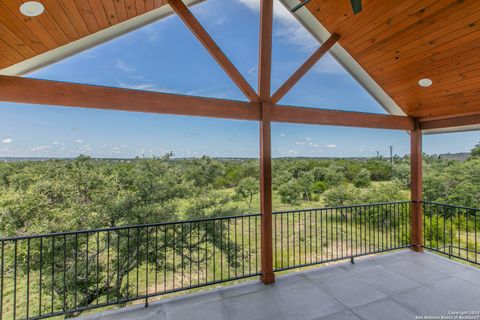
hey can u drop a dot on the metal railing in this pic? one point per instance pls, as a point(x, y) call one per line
point(70, 272)
point(66, 273)
point(452, 230)
point(307, 237)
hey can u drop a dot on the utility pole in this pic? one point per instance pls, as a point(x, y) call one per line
point(378, 154)
point(391, 154)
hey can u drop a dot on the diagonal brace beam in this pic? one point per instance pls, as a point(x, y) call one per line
point(307, 65)
point(206, 40)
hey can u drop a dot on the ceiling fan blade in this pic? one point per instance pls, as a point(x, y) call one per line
point(356, 6)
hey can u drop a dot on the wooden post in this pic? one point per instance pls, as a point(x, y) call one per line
point(264, 79)
point(266, 195)
point(416, 188)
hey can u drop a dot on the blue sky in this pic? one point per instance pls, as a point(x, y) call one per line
point(166, 57)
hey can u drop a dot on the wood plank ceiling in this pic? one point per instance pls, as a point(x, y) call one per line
point(399, 42)
point(62, 22)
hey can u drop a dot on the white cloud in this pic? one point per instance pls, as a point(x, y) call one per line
point(283, 134)
point(79, 141)
point(40, 148)
point(329, 65)
point(7, 140)
point(123, 66)
point(145, 86)
point(331, 145)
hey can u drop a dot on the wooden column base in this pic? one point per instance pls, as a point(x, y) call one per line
point(416, 248)
point(267, 278)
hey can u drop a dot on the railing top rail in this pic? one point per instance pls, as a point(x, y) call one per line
point(450, 205)
point(344, 207)
point(56, 234)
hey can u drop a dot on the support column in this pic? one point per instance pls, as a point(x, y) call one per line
point(416, 188)
point(266, 195)
point(264, 79)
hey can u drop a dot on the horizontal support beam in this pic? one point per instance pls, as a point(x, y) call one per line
point(450, 122)
point(35, 91)
point(66, 94)
point(340, 118)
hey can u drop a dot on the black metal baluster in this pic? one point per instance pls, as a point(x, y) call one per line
point(249, 248)
point(243, 259)
point(128, 263)
point(156, 259)
point(118, 263)
point(165, 258)
point(206, 249)
point(86, 265)
point(288, 241)
point(221, 246)
point(182, 239)
point(190, 235)
point(27, 313)
point(40, 279)
point(293, 234)
point(97, 265)
point(147, 257)
point(15, 280)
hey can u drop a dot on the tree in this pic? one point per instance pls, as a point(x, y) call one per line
point(334, 177)
point(362, 179)
point(290, 193)
point(246, 189)
point(341, 196)
point(475, 153)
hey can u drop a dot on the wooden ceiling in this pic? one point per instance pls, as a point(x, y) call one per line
point(399, 42)
point(63, 22)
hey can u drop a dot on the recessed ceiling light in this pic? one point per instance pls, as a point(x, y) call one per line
point(425, 82)
point(32, 8)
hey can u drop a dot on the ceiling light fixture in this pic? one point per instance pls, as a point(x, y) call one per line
point(32, 8)
point(425, 82)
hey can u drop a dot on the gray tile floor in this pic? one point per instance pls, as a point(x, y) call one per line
point(401, 285)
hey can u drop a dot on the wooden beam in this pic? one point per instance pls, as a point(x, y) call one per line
point(65, 94)
point(34, 91)
point(265, 49)
point(304, 68)
point(264, 80)
point(416, 188)
point(206, 40)
point(450, 122)
point(340, 118)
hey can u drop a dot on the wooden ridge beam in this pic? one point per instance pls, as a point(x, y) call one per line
point(207, 41)
point(304, 115)
point(304, 68)
point(35, 91)
point(450, 122)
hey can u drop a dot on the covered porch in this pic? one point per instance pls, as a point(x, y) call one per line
point(168, 257)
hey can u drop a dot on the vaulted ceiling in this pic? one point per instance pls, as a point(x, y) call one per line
point(396, 42)
point(399, 42)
